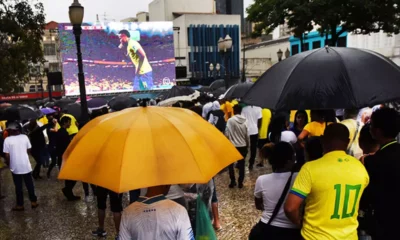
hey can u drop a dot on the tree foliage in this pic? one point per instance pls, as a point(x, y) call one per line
point(332, 17)
point(21, 31)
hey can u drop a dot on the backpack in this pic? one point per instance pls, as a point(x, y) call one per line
point(221, 123)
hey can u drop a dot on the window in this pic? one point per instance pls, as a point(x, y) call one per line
point(295, 49)
point(39, 88)
point(306, 47)
point(54, 67)
point(49, 49)
point(32, 88)
point(342, 42)
point(316, 44)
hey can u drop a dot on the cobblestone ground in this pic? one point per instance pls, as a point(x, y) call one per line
point(56, 218)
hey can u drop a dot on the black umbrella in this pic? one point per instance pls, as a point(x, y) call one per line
point(238, 90)
point(218, 92)
point(177, 91)
point(63, 102)
point(204, 89)
point(97, 103)
point(217, 84)
point(327, 78)
point(121, 102)
point(74, 109)
point(20, 113)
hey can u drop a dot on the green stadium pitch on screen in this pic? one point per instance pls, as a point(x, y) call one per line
point(119, 57)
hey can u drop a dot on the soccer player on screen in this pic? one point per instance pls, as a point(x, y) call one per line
point(143, 79)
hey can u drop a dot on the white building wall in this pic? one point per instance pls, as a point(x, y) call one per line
point(157, 10)
point(269, 51)
point(377, 42)
point(184, 21)
point(162, 10)
point(142, 16)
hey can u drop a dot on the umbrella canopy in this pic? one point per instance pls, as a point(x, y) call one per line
point(327, 78)
point(88, 98)
point(170, 101)
point(121, 102)
point(177, 91)
point(237, 91)
point(219, 83)
point(47, 111)
point(74, 109)
point(63, 102)
point(20, 113)
point(130, 153)
point(204, 89)
point(97, 103)
point(218, 92)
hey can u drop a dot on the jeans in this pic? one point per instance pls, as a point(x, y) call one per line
point(54, 159)
point(253, 149)
point(37, 155)
point(27, 178)
point(240, 165)
point(143, 81)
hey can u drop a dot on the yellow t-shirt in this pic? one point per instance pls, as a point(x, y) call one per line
point(44, 120)
point(266, 120)
point(315, 129)
point(332, 187)
point(133, 47)
point(73, 129)
point(3, 125)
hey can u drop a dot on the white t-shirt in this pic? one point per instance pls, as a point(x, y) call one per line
point(252, 114)
point(287, 136)
point(17, 147)
point(206, 109)
point(269, 187)
point(155, 218)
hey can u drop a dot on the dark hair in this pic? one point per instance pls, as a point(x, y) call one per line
point(197, 109)
point(317, 113)
point(125, 32)
point(366, 138)
point(277, 125)
point(330, 116)
point(336, 131)
point(281, 154)
point(313, 148)
point(387, 120)
point(65, 120)
point(298, 113)
point(237, 109)
point(351, 113)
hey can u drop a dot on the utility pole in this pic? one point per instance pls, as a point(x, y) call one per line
point(244, 63)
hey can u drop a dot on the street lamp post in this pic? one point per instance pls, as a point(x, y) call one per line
point(279, 53)
point(46, 71)
point(224, 47)
point(76, 12)
point(287, 53)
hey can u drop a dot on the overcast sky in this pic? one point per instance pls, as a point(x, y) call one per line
point(57, 10)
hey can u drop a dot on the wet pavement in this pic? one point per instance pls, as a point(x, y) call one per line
point(56, 218)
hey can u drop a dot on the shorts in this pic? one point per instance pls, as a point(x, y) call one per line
point(143, 82)
point(115, 200)
point(262, 142)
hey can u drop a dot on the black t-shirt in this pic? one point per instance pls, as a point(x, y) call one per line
point(37, 138)
point(63, 140)
point(52, 135)
point(384, 171)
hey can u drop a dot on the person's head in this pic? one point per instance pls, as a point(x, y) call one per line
point(65, 122)
point(335, 138)
point(317, 115)
point(13, 128)
point(237, 109)
point(32, 124)
point(50, 117)
point(278, 124)
point(282, 157)
point(330, 116)
point(197, 109)
point(313, 149)
point(300, 119)
point(216, 106)
point(124, 36)
point(384, 124)
point(351, 113)
point(366, 142)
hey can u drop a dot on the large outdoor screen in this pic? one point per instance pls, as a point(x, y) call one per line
point(119, 57)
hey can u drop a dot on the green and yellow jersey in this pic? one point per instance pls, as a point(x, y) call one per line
point(332, 187)
point(133, 47)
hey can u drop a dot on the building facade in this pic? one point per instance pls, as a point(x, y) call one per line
point(231, 7)
point(168, 10)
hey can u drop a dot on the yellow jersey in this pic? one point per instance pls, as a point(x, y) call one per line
point(44, 120)
point(133, 47)
point(73, 129)
point(332, 187)
point(266, 120)
point(3, 125)
point(315, 129)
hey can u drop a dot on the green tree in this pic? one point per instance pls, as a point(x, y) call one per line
point(21, 31)
point(333, 17)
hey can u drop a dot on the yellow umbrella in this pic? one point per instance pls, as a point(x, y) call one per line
point(147, 146)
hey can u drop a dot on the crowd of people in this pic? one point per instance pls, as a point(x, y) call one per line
point(332, 174)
